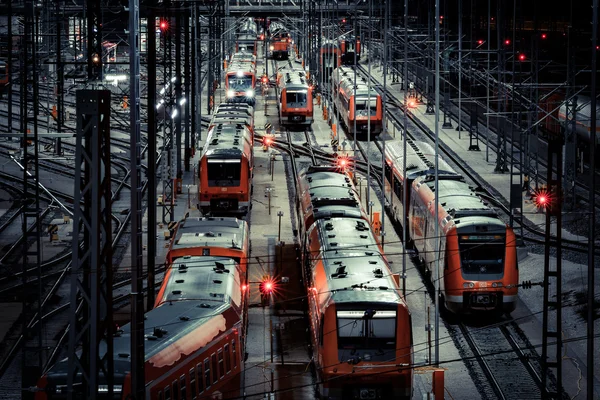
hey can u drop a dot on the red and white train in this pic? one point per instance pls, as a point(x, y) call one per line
point(349, 50)
point(240, 81)
point(225, 170)
point(195, 336)
point(360, 325)
point(295, 98)
point(476, 257)
point(357, 103)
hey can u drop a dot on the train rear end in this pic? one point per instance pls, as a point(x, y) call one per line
point(371, 355)
point(368, 115)
point(350, 48)
point(280, 49)
point(481, 271)
point(296, 103)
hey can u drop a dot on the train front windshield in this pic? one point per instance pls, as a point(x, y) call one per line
point(239, 83)
point(224, 172)
point(482, 255)
point(369, 336)
point(295, 98)
point(362, 106)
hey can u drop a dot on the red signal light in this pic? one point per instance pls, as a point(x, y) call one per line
point(412, 103)
point(522, 57)
point(542, 199)
point(265, 79)
point(266, 286)
point(267, 141)
point(544, 36)
point(343, 162)
point(507, 42)
point(262, 37)
point(480, 42)
point(244, 288)
point(344, 21)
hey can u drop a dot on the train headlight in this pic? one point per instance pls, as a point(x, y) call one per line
point(494, 284)
point(230, 93)
point(249, 93)
point(272, 48)
point(468, 285)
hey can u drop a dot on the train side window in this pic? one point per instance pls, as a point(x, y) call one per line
point(183, 387)
point(221, 365)
point(207, 372)
point(167, 393)
point(233, 354)
point(160, 395)
point(213, 359)
point(227, 358)
point(175, 390)
point(193, 383)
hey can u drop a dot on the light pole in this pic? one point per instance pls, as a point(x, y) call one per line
point(268, 194)
point(279, 214)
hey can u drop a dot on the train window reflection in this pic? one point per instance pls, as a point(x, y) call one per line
point(484, 255)
point(362, 105)
point(295, 97)
point(239, 83)
point(224, 173)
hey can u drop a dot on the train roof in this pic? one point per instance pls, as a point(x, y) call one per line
point(344, 78)
point(354, 267)
point(199, 291)
point(235, 107)
point(243, 56)
point(327, 44)
point(459, 201)
point(327, 192)
point(202, 278)
point(223, 232)
point(420, 159)
point(233, 130)
point(237, 67)
point(237, 120)
point(227, 147)
point(294, 79)
point(210, 296)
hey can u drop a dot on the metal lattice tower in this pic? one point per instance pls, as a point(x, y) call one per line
point(502, 95)
point(168, 209)
point(570, 164)
point(91, 271)
point(32, 359)
point(151, 170)
point(137, 261)
point(552, 350)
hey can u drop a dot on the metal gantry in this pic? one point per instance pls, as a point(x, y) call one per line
point(91, 269)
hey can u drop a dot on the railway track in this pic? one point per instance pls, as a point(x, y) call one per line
point(508, 366)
